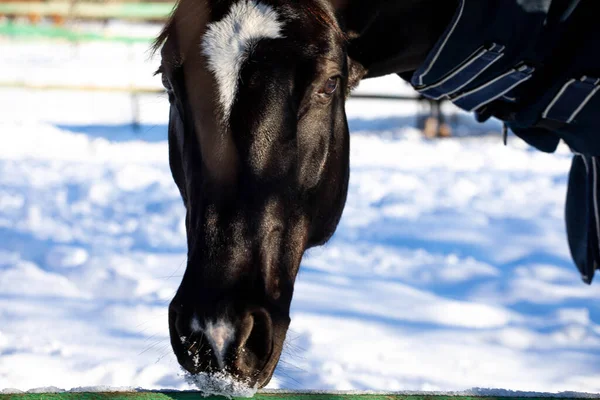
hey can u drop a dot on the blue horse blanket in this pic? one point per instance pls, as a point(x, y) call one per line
point(534, 64)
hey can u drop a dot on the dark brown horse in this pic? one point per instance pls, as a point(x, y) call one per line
point(259, 149)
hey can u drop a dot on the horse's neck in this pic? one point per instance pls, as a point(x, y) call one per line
point(394, 36)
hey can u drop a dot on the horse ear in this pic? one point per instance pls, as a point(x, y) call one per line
point(356, 71)
point(182, 31)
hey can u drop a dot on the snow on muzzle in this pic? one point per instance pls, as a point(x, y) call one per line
point(227, 351)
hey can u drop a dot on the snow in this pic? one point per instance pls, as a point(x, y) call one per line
point(449, 270)
point(10, 391)
point(101, 388)
point(220, 383)
point(48, 389)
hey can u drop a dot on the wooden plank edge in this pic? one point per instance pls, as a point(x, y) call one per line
point(127, 11)
point(28, 31)
point(302, 395)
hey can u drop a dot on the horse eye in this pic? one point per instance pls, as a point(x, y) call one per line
point(330, 86)
point(166, 83)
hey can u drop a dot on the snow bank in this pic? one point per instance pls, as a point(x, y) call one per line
point(449, 269)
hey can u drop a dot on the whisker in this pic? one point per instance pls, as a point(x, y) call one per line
point(186, 341)
point(150, 337)
point(288, 376)
point(292, 365)
point(152, 346)
point(164, 355)
point(164, 346)
point(293, 350)
point(149, 320)
point(177, 269)
point(168, 300)
point(201, 347)
point(191, 347)
point(162, 350)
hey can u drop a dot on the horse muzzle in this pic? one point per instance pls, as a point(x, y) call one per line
point(245, 347)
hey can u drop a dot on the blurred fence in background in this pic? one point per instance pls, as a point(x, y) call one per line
point(130, 10)
point(93, 20)
point(55, 19)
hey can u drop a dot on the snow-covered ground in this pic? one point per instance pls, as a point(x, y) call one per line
point(449, 270)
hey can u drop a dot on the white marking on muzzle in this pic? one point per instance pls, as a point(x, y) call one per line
point(228, 42)
point(195, 324)
point(219, 335)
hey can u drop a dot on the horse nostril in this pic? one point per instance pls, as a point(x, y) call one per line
point(256, 342)
point(208, 345)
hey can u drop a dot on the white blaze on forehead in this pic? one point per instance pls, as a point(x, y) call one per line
point(228, 42)
point(219, 335)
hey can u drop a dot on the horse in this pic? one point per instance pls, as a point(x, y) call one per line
point(259, 141)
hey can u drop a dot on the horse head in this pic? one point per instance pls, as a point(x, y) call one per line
point(259, 149)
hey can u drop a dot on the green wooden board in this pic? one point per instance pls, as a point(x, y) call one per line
point(27, 31)
point(125, 11)
point(122, 11)
point(259, 396)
